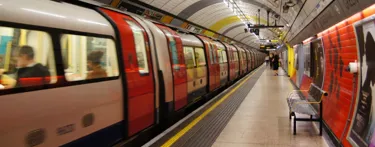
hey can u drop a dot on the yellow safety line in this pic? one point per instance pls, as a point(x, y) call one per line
point(199, 118)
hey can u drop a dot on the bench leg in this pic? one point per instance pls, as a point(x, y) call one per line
point(321, 127)
point(290, 116)
point(294, 126)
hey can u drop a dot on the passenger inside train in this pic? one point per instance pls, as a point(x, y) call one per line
point(29, 72)
point(94, 67)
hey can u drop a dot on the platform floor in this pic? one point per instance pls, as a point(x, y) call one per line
point(262, 118)
point(252, 113)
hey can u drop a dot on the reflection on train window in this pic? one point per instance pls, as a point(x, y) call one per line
point(87, 57)
point(26, 58)
point(199, 56)
point(220, 56)
point(224, 57)
point(173, 49)
point(235, 56)
point(140, 47)
point(189, 57)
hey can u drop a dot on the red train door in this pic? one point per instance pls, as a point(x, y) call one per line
point(176, 53)
point(212, 65)
point(140, 101)
point(217, 63)
point(253, 60)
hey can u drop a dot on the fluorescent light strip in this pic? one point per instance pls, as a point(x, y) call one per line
point(92, 22)
point(44, 13)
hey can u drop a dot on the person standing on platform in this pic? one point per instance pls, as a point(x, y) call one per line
point(275, 64)
point(271, 59)
point(267, 60)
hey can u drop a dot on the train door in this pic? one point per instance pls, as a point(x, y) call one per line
point(216, 64)
point(252, 60)
point(244, 62)
point(236, 62)
point(231, 63)
point(178, 67)
point(248, 61)
point(241, 60)
point(210, 62)
point(140, 101)
point(223, 61)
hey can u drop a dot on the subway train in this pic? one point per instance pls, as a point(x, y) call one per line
point(105, 76)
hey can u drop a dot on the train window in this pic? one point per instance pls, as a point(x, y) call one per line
point(211, 54)
point(199, 56)
point(189, 57)
point(235, 55)
point(173, 49)
point(140, 47)
point(225, 59)
point(26, 58)
point(88, 57)
point(220, 56)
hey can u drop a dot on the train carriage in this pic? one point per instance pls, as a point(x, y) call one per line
point(74, 102)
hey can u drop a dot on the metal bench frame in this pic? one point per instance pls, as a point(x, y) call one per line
point(297, 94)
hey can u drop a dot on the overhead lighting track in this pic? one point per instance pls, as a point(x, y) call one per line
point(231, 4)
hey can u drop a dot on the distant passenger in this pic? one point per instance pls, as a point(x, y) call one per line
point(271, 59)
point(267, 60)
point(30, 73)
point(275, 64)
point(93, 64)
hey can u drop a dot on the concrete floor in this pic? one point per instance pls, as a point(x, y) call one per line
point(262, 119)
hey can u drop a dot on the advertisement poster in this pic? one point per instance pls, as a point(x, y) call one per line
point(362, 128)
point(318, 62)
point(307, 62)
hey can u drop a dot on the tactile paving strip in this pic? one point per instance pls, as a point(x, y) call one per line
point(209, 128)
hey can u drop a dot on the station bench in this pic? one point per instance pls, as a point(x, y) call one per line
point(311, 105)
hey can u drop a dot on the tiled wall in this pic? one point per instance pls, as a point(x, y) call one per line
point(340, 48)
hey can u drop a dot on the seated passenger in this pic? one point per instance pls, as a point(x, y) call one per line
point(93, 65)
point(30, 73)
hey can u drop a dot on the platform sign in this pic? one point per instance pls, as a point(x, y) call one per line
point(361, 132)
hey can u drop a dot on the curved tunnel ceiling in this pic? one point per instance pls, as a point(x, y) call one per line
point(217, 16)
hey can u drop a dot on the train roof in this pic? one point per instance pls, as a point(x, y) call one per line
point(220, 45)
point(54, 14)
point(190, 40)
